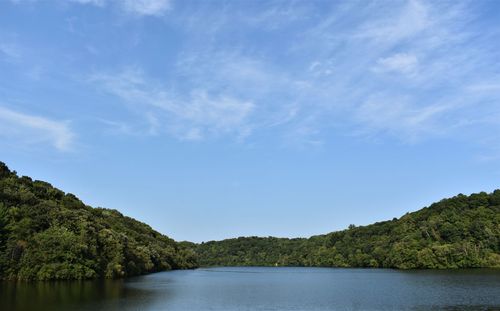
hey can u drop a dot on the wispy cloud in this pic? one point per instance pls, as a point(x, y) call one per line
point(400, 63)
point(401, 117)
point(401, 68)
point(390, 23)
point(411, 69)
point(147, 7)
point(404, 70)
point(198, 115)
point(9, 51)
point(31, 129)
point(100, 3)
point(136, 7)
point(486, 86)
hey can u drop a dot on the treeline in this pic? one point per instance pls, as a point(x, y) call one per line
point(47, 234)
point(460, 232)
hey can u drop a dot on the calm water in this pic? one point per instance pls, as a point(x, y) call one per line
point(266, 289)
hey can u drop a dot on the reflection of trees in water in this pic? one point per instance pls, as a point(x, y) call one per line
point(258, 288)
point(72, 295)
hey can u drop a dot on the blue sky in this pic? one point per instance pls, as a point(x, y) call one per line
point(215, 119)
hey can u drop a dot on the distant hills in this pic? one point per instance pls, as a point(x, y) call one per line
point(46, 234)
point(460, 232)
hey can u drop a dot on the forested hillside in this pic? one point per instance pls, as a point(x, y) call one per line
point(461, 232)
point(48, 234)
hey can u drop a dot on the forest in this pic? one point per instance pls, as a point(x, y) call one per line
point(47, 234)
point(460, 232)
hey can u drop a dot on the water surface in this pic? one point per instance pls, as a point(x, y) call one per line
point(252, 288)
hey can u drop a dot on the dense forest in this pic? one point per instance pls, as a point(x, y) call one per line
point(47, 234)
point(460, 232)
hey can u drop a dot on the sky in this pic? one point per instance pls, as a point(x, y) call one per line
point(216, 119)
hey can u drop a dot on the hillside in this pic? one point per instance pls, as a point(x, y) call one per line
point(48, 234)
point(460, 232)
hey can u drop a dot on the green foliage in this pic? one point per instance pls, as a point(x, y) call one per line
point(46, 234)
point(461, 232)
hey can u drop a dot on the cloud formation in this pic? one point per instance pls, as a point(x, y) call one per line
point(147, 7)
point(191, 117)
point(398, 69)
point(31, 129)
point(136, 7)
point(413, 70)
point(400, 63)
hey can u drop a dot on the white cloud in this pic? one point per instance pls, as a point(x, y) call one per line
point(35, 129)
point(322, 68)
point(146, 7)
point(94, 2)
point(274, 93)
point(324, 75)
point(136, 7)
point(401, 117)
point(334, 87)
point(316, 75)
point(401, 62)
point(192, 134)
point(412, 19)
point(191, 117)
point(488, 86)
point(277, 16)
point(220, 111)
point(9, 51)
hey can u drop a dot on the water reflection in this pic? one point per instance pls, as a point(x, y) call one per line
point(78, 295)
point(266, 289)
